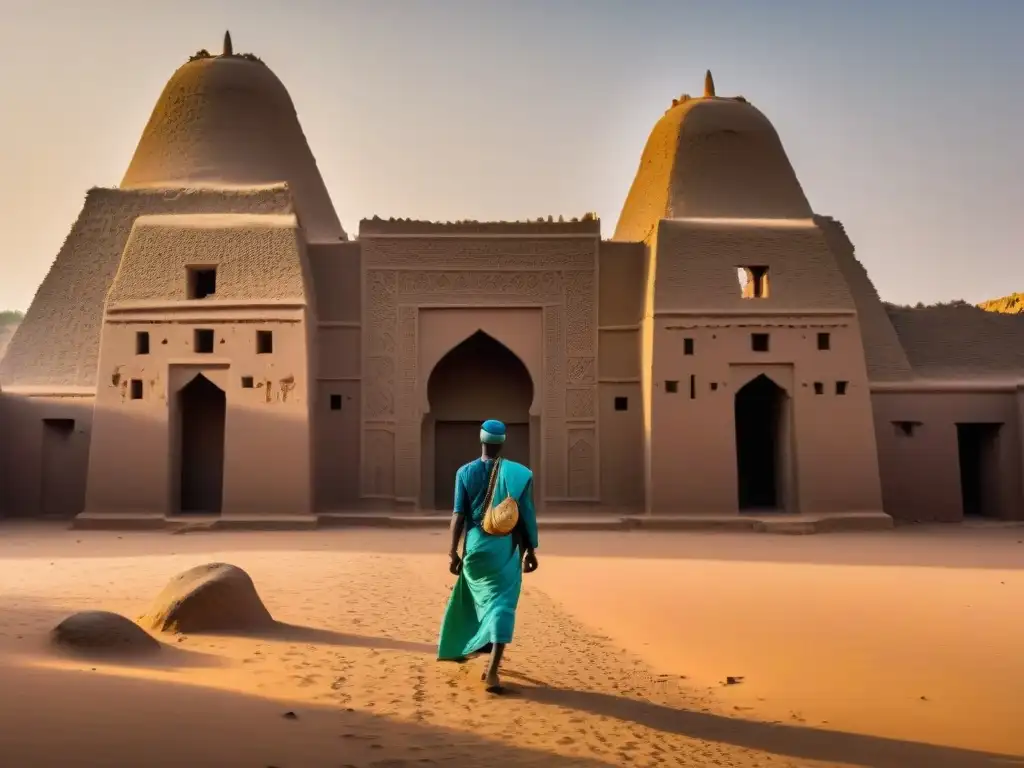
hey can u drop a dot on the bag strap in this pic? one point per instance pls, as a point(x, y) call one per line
point(491, 483)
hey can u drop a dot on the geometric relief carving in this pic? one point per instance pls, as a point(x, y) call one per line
point(480, 253)
point(582, 461)
point(579, 403)
point(580, 312)
point(378, 387)
point(581, 370)
point(554, 476)
point(381, 315)
point(432, 287)
point(407, 466)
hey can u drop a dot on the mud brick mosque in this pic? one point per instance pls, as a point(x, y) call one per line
point(210, 340)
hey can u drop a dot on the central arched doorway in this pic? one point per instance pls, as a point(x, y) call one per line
point(201, 410)
point(761, 457)
point(478, 379)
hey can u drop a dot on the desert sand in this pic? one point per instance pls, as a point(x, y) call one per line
point(893, 649)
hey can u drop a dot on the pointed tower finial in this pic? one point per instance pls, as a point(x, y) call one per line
point(228, 48)
point(709, 85)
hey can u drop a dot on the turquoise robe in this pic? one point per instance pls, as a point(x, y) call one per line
point(482, 607)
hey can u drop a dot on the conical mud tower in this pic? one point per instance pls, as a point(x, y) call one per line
point(228, 120)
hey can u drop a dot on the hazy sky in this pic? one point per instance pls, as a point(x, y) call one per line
point(903, 118)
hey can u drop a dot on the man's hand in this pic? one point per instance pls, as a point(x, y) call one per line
point(454, 563)
point(530, 562)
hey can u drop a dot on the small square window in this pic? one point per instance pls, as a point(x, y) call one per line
point(335, 402)
point(142, 342)
point(136, 389)
point(202, 341)
point(264, 342)
point(819, 388)
point(714, 386)
point(672, 386)
point(621, 403)
point(687, 346)
point(202, 282)
point(824, 341)
point(759, 342)
point(840, 387)
point(905, 428)
point(247, 382)
point(693, 387)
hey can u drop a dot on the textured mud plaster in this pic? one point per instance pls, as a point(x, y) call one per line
point(227, 121)
point(961, 342)
point(58, 342)
point(711, 157)
point(256, 256)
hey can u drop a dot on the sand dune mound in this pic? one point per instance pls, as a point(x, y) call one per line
point(215, 597)
point(103, 631)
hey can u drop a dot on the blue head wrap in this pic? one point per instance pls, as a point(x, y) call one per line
point(492, 432)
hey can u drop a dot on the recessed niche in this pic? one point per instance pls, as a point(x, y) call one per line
point(135, 388)
point(142, 342)
point(202, 341)
point(247, 382)
point(759, 342)
point(672, 386)
point(264, 342)
point(335, 402)
point(841, 387)
point(202, 282)
point(687, 346)
point(819, 388)
point(824, 341)
point(621, 403)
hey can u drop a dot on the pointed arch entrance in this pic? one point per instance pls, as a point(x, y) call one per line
point(478, 379)
point(762, 445)
point(201, 411)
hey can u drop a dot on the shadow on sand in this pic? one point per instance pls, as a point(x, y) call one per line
point(788, 740)
point(296, 633)
point(164, 724)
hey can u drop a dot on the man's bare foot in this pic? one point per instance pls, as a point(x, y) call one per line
point(492, 682)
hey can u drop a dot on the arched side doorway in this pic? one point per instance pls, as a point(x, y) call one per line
point(762, 445)
point(476, 380)
point(201, 413)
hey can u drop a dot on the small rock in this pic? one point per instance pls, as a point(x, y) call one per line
point(734, 679)
point(98, 631)
point(290, 716)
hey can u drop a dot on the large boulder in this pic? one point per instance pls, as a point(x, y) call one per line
point(103, 632)
point(215, 597)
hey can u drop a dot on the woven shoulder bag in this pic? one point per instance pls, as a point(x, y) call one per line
point(501, 519)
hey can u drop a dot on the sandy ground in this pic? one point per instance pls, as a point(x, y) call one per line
point(893, 649)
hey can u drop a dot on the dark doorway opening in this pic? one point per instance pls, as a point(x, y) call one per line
point(978, 447)
point(760, 457)
point(201, 410)
point(59, 492)
point(477, 380)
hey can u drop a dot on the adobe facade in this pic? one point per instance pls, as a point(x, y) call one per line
point(210, 341)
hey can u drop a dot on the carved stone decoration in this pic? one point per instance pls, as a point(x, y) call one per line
point(481, 253)
point(582, 463)
point(580, 312)
point(554, 404)
point(554, 274)
point(500, 287)
point(378, 387)
point(407, 437)
point(581, 370)
point(580, 403)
